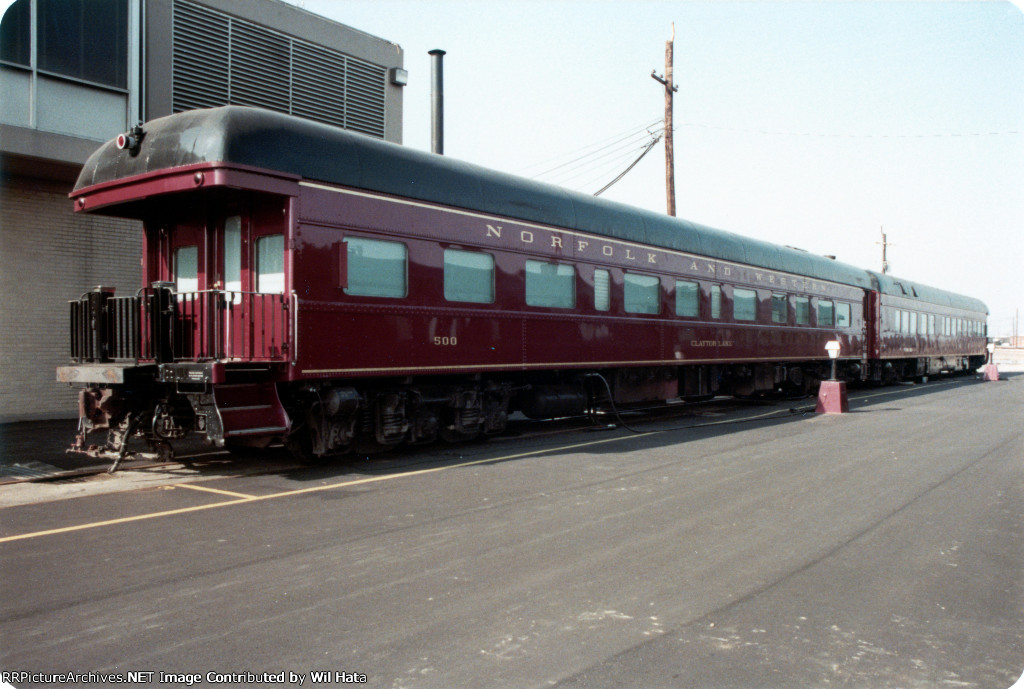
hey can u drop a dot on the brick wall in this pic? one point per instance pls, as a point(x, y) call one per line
point(48, 256)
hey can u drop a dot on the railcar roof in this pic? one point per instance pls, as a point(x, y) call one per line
point(887, 284)
point(314, 151)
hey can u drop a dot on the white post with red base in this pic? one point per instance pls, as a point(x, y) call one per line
point(832, 397)
point(991, 372)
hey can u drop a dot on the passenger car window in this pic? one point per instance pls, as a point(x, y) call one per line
point(802, 307)
point(186, 269)
point(376, 268)
point(687, 299)
point(468, 276)
point(842, 315)
point(780, 308)
point(270, 264)
point(550, 284)
point(642, 293)
point(602, 290)
point(716, 301)
point(826, 314)
point(744, 305)
point(233, 254)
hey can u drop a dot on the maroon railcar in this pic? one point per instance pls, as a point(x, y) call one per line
point(334, 291)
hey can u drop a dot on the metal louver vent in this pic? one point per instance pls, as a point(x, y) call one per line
point(365, 98)
point(319, 84)
point(260, 66)
point(221, 60)
point(200, 55)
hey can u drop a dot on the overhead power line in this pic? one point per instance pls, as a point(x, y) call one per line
point(840, 135)
point(583, 156)
point(631, 166)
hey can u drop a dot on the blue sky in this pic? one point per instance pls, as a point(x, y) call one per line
point(811, 124)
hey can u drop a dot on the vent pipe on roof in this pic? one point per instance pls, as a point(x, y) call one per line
point(437, 101)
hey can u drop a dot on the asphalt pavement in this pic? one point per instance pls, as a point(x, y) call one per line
point(754, 546)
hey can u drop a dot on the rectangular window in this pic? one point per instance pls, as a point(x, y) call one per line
point(642, 293)
point(84, 39)
point(913, 323)
point(602, 290)
point(744, 305)
point(233, 254)
point(375, 268)
point(802, 308)
point(16, 33)
point(826, 314)
point(270, 264)
point(468, 276)
point(687, 299)
point(931, 324)
point(780, 308)
point(186, 269)
point(842, 315)
point(904, 323)
point(716, 301)
point(550, 284)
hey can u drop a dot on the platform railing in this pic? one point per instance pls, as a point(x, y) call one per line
point(160, 325)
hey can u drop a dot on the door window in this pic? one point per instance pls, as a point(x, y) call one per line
point(186, 269)
point(233, 254)
point(270, 264)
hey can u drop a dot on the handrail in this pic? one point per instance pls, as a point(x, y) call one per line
point(158, 324)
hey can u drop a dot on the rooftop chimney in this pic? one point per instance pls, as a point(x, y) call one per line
point(437, 101)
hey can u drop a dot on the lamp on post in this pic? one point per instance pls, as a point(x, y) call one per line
point(833, 347)
point(832, 393)
point(991, 370)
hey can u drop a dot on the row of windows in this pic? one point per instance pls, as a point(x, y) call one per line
point(914, 323)
point(377, 268)
point(83, 39)
point(269, 272)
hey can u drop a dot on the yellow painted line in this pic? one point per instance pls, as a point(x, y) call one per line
point(313, 489)
point(218, 491)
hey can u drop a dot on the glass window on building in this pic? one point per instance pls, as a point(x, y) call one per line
point(780, 308)
point(802, 310)
point(602, 290)
point(16, 34)
point(376, 268)
point(84, 39)
point(270, 264)
point(642, 293)
point(687, 299)
point(550, 284)
point(468, 276)
point(744, 305)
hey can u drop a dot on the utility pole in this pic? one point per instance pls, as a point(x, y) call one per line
point(670, 88)
point(885, 255)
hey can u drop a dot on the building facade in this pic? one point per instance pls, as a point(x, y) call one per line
point(76, 73)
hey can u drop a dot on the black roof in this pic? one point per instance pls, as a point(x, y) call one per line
point(314, 151)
